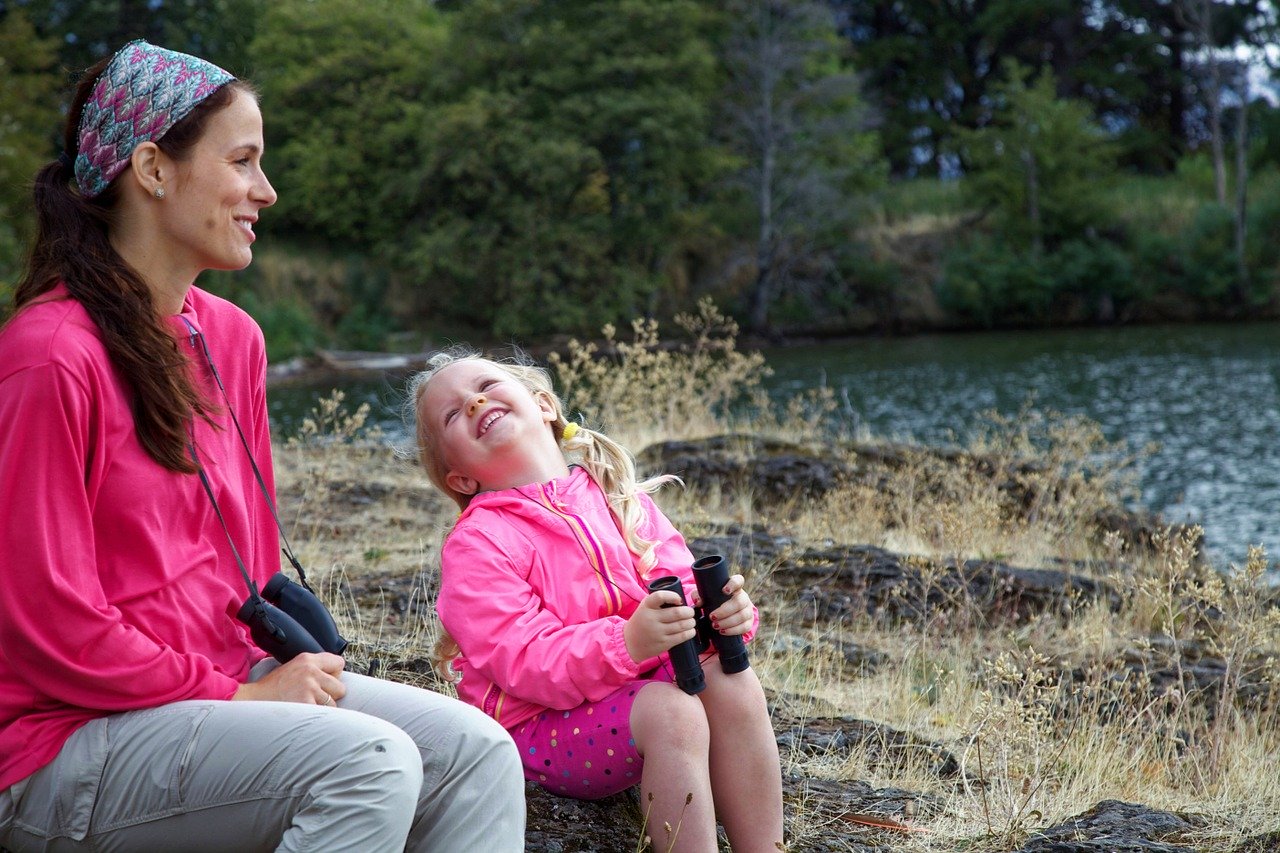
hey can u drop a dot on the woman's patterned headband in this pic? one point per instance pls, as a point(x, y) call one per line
point(143, 92)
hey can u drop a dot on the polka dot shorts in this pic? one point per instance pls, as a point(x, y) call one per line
point(587, 752)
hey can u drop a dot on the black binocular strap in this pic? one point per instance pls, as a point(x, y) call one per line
point(208, 490)
point(271, 506)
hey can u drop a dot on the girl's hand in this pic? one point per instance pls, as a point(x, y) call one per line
point(653, 628)
point(311, 679)
point(736, 615)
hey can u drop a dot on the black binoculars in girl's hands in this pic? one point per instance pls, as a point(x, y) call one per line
point(711, 574)
point(287, 619)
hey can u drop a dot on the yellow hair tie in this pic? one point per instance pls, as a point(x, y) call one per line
point(570, 430)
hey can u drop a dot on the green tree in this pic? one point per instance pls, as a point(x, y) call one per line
point(29, 121)
point(345, 90)
point(930, 66)
point(1040, 165)
point(793, 115)
point(87, 30)
point(565, 161)
point(931, 63)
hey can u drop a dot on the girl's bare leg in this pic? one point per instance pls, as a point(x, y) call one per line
point(746, 775)
point(670, 729)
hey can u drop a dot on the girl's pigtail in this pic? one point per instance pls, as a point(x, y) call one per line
point(613, 467)
point(443, 654)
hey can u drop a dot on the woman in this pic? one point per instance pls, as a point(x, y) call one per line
point(135, 712)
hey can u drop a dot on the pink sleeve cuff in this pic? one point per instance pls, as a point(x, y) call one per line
point(618, 648)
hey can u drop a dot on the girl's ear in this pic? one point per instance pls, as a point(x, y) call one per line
point(547, 406)
point(461, 484)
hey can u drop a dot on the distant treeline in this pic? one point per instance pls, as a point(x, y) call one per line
point(519, 169)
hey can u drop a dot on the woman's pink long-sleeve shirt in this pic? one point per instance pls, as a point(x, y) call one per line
point(118, 590)
point(536, 586)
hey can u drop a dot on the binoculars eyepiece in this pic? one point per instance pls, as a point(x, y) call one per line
point(287, 619)
point(710, 574)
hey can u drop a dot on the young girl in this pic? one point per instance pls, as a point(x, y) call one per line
point(544, 597)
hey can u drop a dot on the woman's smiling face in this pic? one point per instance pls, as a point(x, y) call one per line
point(212, 203)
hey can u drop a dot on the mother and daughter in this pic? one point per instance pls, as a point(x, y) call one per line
point(550, 625)
point(137, 522)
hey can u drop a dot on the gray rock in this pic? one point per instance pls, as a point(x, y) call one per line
point(1117, 827)
point(847, 582)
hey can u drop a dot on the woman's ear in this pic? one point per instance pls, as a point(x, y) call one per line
point(150, 167)
point(460, 484)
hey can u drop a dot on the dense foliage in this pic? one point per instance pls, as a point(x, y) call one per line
point(518, 169)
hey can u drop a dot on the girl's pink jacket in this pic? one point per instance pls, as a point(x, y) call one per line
point(536, 586)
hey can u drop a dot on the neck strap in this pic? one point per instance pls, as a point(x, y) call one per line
point(262, 486)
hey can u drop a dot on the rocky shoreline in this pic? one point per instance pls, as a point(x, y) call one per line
point(833, 583)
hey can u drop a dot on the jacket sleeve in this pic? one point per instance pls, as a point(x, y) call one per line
point(58, 631)
point(675, 558)
point(507, 634)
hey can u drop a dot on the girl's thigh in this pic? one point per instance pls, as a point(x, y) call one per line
point(587, 752)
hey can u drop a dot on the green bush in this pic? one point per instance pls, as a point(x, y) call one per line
point(1093, 268)
point(1158, 265)
point(988, 282)
point(291, 328)
point(1262, 251)
point(1207, 249)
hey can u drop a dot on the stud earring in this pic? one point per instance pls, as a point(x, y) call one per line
point(159, 193)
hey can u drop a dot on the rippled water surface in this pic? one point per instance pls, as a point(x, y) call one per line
point(1207, 395)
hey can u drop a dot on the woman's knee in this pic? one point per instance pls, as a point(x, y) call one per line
point(483, 741)
point(368, 750)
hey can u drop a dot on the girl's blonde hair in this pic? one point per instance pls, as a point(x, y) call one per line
point(610, 464)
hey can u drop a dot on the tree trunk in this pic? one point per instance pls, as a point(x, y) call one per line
point(762, 292)
point(1205, 34)
point(1033, 201)
point(1242, 185)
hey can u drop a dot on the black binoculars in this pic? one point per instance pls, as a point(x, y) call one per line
point(287, 619)
point(710, 574)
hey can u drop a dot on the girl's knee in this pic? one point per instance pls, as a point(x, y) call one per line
point(737, 695)
point(667, 712)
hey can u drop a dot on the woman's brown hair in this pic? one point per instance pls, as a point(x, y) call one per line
point(73, 246)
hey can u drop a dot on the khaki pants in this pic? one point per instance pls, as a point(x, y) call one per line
point(392, 768)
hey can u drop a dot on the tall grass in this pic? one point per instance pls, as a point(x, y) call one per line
point(1163, 694)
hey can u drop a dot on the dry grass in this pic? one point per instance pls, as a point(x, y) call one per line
point(1036, 713)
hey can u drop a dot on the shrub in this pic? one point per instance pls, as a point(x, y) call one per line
point(988, 282)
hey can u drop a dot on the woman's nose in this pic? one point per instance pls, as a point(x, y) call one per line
point(476, 402)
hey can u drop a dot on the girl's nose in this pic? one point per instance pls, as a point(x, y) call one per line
point(476, 402)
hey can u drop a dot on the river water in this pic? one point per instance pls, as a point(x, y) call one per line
point(1207, 396)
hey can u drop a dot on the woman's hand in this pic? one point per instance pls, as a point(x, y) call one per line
point(654, 628)
point(312, 679)
point(736, 615)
